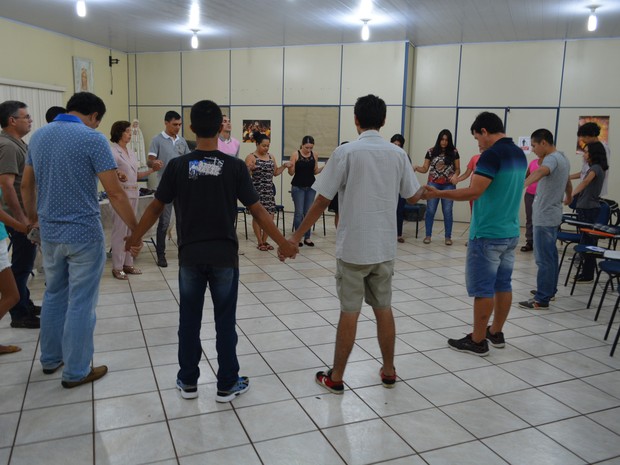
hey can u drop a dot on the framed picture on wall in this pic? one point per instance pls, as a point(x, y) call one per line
point(83, 78)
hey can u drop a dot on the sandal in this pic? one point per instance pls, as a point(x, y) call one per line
point(119, 274)
point(268, 245)
point(131, 270)
point(448, 241)
point(427, 240)
point(262, 247)
point(9, 349)
point(309, 243)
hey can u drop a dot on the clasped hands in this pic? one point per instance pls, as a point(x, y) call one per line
point(133, 245)
point(290, 250)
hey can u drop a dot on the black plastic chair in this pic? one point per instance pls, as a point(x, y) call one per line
point(245, 220)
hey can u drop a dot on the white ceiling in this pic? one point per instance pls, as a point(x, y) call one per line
point(162, 25)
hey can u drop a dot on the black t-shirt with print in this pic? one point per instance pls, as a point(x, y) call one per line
point(205, 187)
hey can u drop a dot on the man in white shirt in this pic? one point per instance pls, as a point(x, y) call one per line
point(368, 175)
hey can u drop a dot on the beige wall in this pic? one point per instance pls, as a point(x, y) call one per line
point(543, 83)
point(258, 83)
point(44, 57)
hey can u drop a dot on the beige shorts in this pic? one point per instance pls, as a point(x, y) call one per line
point(4, 255)
point(372, 282)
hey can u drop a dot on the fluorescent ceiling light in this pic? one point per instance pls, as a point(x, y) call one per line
point(80, 8)
point(365, 30)
point(592, 20)
point(194, 41)
point(194, 15)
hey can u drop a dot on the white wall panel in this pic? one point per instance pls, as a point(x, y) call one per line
point(312, 75)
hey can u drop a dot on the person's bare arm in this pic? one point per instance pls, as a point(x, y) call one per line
point(118, 197)
point(568, 191)
point(286, 249)
point(417, 196)
point(292, 161)
point(29, 194)
point(537, 175)
point(149, 217)
point(478, 185)
point(424, 168)
point(583, 184)
point(10, 196)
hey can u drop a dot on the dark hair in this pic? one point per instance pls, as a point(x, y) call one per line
point(589, 130)
point(542, 134)
point(370, 111)
point(53, 112)
point(260, 137)
point(86, 103)
point(398, 138)
point(489, 121)
point(171, 115)
point(450, 150)
point(307, 140)
point(117, 130)
point(206, 118)
point(9, 109)
point(598, 155)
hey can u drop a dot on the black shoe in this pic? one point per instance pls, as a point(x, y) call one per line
point(580, 279)
point(533, 305)
point(162, 262)
point(34, 309)
point(496, 340)
point(468, 345)
point(30, 322)
point(533, 292)
point(528, 247)
point(51, 371)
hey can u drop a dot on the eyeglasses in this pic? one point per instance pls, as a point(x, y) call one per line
point(27, 117)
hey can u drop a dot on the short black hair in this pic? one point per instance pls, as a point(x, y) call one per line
point(589, 130)
point(489, 121)
point(370, 111)
point(398, 138)
point(53, 112)
point(171, 115)
point(8, 109)
point(260, 137)
point(86, 103)
point(205, 118)
point(542, 134)
point(117, 130)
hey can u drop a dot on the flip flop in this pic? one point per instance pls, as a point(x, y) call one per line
point(268, 245)
point(9, 349)
point(262, 247)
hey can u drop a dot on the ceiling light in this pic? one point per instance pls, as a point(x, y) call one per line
point(194, 41)
point(592, 20)
point(194, 15)
point(365, 9)
point(365, 30)
point(80, 8)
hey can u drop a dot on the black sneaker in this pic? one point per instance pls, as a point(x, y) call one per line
point(34, 309)
point(29, 322)
point(532, 304)
point(162, 262)
point(468, 345)
point(242, 385)
point(496, 340)
point(188, 391)
point(533, 292)
point(580, 279)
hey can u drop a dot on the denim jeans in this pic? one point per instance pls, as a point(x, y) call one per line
point(22, 261)
point(302, 198)
point(162, 229)
point(224, 284)
point(400, 216)
point(546, 255)
point(72, 275)
point(588, 215)
point(446, 208)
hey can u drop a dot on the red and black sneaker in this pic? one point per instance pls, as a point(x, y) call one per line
point(387, 381)
point(325, 380)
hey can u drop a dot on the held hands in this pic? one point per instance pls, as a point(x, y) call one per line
point(430, 192)
point(133, 245)
point(122, 177)
point(567, 200)
point(289, 250)
point(454, 179)
point(157, 165)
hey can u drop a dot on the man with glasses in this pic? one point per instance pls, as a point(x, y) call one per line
point(16, 123)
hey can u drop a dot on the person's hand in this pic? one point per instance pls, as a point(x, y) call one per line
point(454, 179)
point(133, 245)
point(157, 165)
point(567, 200)
point(430, 192)
point(122, 177)
point(289, 250)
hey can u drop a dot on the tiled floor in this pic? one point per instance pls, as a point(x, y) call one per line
point(552, 396)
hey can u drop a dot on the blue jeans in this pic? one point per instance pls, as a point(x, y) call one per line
point(302, 198)
point(224, 284)
point(22, 261)
point(446, 208)
point(400, 216)
point(72, 275)
point(546, 255)
point(489, 266)
point(162, 229)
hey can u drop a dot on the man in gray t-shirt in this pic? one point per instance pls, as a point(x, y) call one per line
point(164, 147)
point(553, 182)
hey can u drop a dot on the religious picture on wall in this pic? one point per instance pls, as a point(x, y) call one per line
point(250, 126)
point(525, 144)
point(83, 75)
point(603, 123)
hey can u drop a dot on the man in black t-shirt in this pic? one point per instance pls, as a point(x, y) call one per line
point(205, 186)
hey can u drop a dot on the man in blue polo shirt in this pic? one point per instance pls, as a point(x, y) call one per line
point(496, 187)
point(65, 161)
